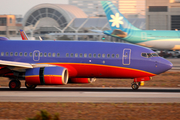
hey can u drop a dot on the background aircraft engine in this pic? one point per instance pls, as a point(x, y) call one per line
point(81, 80)
point(47, 76)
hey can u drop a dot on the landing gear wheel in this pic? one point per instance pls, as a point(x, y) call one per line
point(30, 87)
point(135, 86)
point(14, 84)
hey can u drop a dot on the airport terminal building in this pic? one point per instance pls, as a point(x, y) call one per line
point(59, 18)
point(47, 18)
point(163, 14)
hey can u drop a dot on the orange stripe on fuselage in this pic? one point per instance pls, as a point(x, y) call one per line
point(95, 70)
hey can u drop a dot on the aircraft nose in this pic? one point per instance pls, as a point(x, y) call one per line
point(164, 65)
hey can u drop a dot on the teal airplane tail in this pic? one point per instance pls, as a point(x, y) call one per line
point(118, 23)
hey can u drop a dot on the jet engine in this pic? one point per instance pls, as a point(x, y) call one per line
point(81, 80)
point(47, 76)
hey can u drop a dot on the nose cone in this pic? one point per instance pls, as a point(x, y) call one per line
point(164, 65)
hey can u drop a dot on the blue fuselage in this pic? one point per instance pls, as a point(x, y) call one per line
point(83, 57)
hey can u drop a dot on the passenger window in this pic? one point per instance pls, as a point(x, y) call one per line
point(7, 53)
point(41, 54)
point(67, 54)
point(25, 54)
point(144, 54)
point(85, 55)
point(36, 54)
point(16, 54)
point(113, 55)
point(20, 54)
point(45, 54)
point(76, 55)
point(103, 55)
point(72, 54)
point(117, 55)
point(49, 54)
point(94, 55)
point(108, 55)
point(58, 54)
point(99, 55)
point(11, 53)
point(90, 55)
point(80, 55)
point(2, 53)
point(54, 54)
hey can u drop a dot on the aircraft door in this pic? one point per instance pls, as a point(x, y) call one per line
point(126, 60)
point(143, 36)
point(36, 55)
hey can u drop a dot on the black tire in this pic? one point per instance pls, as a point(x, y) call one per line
point(135, 86)
point(14, 84)
point(30, 87)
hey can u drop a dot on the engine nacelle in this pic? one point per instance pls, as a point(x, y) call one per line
point(47, 76)
point(81, 80)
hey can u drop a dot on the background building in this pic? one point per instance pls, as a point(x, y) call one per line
point(163, 14)
point(43, 19)
point(54, 18)
point(92, 8)
point(7, 25)
point(130, 8)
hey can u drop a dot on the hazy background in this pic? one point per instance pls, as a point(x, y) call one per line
point(20, 7)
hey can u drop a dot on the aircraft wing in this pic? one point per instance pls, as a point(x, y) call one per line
point(76, 33)
point(97, 31)
point(15, 64)
point(21, 65)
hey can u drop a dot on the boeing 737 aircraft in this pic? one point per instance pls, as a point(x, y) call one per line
point(121, 28)
point(62, 62)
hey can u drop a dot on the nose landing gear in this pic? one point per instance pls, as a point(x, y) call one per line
point(135, 85)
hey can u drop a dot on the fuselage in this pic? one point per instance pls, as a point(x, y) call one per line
point(159, 39)
point(87, 59)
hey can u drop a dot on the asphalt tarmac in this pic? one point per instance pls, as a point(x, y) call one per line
point(95, 95)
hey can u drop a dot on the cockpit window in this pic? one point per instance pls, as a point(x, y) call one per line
point(144, 54)
point(148, 55)
point(155, 54)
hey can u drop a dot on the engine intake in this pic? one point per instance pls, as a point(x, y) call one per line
point(47, 76)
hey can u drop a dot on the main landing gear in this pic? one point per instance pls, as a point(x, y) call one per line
point(135, 85)
point(30, 87)
point(14, 84)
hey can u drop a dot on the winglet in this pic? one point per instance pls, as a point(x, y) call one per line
point(23, 35)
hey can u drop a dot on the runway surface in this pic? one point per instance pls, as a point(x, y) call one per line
point(102, 95)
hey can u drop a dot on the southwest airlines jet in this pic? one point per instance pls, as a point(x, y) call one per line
point(121, 28)
point(63, 62)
